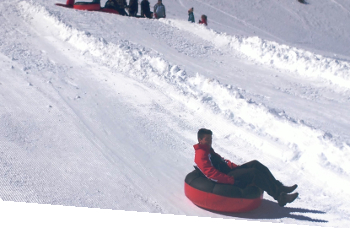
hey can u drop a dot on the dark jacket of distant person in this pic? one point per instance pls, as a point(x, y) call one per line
point(133, 7)
point(145, 9)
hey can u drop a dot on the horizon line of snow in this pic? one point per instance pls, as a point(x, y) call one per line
point(304, 144)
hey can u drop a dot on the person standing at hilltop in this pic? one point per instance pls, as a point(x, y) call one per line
point(191, 15)
point(133, 8)
point(159, 10)
point(111, 4)
point(121, 7)
point(145, 9)
point(118, 5)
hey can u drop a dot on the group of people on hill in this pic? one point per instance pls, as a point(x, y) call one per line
point(121, 5)
point(158, 9)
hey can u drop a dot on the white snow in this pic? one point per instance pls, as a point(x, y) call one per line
point(101, 111)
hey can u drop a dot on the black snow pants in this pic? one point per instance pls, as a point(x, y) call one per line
point(255, 173)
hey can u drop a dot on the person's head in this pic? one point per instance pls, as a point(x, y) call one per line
point(204, 17)
point(204, 136)
point(190, 10)
point(159, 1)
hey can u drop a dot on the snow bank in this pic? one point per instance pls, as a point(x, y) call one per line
point(275, 55)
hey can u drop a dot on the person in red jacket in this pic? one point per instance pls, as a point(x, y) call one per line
point(203, 20)
point(221, 170)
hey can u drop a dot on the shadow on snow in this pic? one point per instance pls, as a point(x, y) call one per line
point(271, 210)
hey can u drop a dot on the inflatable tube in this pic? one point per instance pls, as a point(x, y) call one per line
point(108, 10)
point(64, 5)
point(69, 4)
point(90, 6)
point(220, 197)
point(87, 6)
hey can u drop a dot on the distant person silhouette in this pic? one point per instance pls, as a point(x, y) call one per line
point(203, 20)
point(191, 15)
point(145, 9)
point(159, 10)
point(118, 5)
point(122, 5)
point(133, 8)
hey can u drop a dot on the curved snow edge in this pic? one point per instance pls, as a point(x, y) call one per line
point(275, 55)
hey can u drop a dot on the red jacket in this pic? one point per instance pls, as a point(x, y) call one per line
point(204, 160)
point(203, 21)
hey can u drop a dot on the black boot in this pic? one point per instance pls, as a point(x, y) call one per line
point(287, 189)
point(285, 198)
point(281, 188)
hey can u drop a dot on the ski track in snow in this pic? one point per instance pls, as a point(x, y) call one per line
point(341, 6)
point(303, 144)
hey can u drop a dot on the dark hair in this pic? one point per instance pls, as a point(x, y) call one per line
point(202, 132)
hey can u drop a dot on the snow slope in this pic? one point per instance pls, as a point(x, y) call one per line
point(101, 111)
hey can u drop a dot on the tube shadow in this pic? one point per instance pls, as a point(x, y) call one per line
point(271, 210)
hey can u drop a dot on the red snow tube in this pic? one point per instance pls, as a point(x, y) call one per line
point(91, 6)
point(87, 6)
point(220, 197)
point(69, 4)
point(108, 10)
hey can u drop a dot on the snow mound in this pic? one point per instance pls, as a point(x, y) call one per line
point(275, 55)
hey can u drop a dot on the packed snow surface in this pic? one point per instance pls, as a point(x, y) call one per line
point(101, 111)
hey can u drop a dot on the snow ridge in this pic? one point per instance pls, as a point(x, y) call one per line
point(303, 144)
point(275, 55)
